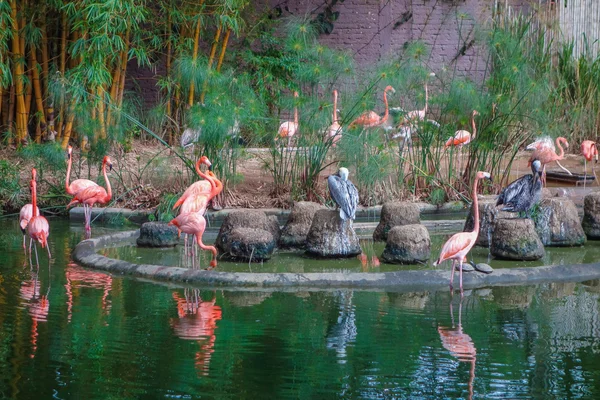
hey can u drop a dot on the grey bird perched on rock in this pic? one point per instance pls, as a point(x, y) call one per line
point(522, 194)
point(344, 193)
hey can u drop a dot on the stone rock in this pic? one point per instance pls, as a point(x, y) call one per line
point(330, 236)
point(293, 234)
point(558, 224)
point(244, 218)
point(488, 214)
point(485, 268)
point(396, 214)
point(407, 244)
point(249, 244)
point(157, 234)
point(516, 239)
point(591, 215)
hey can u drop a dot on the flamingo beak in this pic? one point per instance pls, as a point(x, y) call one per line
point(110, 166)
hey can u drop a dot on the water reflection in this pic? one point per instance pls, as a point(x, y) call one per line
point(459, 344)
point(77, 277)
point(197, 320)
point(343, 332)
point(37, 306)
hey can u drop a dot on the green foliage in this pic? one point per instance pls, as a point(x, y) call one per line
point(10, 190)
point(164, 210)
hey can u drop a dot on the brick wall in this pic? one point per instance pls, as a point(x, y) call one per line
point(375, 29)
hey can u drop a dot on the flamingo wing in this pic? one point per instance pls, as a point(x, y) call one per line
point(457, 246)
point(91, 195)
point(196, 188)
point(195, 203)
point(367, 119)
point(287, 129)
point(25, 215)
point(79, 184)
point(460, 138)
point(39, 229)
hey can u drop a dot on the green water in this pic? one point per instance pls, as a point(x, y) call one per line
point(72, 333)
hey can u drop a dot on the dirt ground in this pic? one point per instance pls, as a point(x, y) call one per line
point(143, 176)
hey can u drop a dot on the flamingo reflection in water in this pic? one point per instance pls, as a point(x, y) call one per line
point(78, 278)
point(37, 305)
point(459, 344)
point(197, 320)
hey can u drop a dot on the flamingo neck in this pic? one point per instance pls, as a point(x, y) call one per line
point(108, 188)
point(68, 174)
point(205, 176)
point(218, 184)
point(561, 151)
point(475, 206)
point(426, 98)
point(473, 126)
point(296, 115)
point(34, 200)
point(387, 111)
point(334, 107)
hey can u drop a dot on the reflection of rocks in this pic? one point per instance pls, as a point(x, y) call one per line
point(247, 234)
point(407, 244)
point(245, 299)
point(409, 301)
point(157, 234)
point(592, 286)
point(330, 236)
point(591, 215)
point(516, 239)
point(558, 224)
point(513, 297)
point(396, 214)
point(298, 224)
point(488, 214)
point(558, 290)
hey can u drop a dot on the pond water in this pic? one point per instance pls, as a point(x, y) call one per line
point(68, 332)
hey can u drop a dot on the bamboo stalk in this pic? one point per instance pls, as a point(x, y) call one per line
point(194, 58)
point(11, 114)
point(211, 59)
point(168, 74)
point(21, 124)
point(44, 52)
point(63, 62)
point(101, 112)
point(37, 92)
point(123, 70)
point(223, 49)
point(68, 125)
point(28, 91)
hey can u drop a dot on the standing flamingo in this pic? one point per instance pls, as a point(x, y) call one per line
point(195, 224)
point(370, 119)
point(334, 132)
point(463, 137)
point(38, 228)
point(24, 216)
point(416, 116)
point(78, 184)
point(459, 245)
point(289, 128)
point(546, 142)
point(546, 155)
point(589, 151)
point(92, 195)
point(206, 186)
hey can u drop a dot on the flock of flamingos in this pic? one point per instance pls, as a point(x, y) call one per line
point(519, 196)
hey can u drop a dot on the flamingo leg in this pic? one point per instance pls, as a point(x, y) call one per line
point(584, 171)
point(48, 248)
point(37, 261)
point(24, 246)
point(460, 262)
point(563, 168)
point(452, 273)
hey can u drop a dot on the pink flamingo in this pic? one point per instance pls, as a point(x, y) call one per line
point(459, 245)
point(195, 224)
point(289, 128)
point(547, 155)
point(92, 195)
point(334, 132)
point(38, 228)
point(589, 151)
point(24, 216)
point(463, 137)
point(370, 119)
point(209, 186)
point(413, 117)
point(77, 184)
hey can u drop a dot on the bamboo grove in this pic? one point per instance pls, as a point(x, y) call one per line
point(63, 63)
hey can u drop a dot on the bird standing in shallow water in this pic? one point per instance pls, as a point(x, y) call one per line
point(459, 245)
point(195, 224)
point(589, 151)
point(344, 193)
point(24, 216)
point(38, 228)
point(524, 193)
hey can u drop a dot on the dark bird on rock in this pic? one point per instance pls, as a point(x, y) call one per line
point(524, 193)
point(344, 193)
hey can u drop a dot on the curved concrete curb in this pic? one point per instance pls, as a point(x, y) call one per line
point(85, 254)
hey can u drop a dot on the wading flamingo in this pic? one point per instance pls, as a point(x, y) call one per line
point(38, 228)
point(459, 344)
point(24, 216)
point(459, 245)
point(206, 186)
point(546, 155)
point(463, 137)
point(195, 224)
point(92, 195)
point(77, 184)
point(334, 132)
point(589, 151)
point(289, 128)
point(370, 119)
point(416, 116)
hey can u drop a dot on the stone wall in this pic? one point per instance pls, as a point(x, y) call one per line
point(375, 29)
